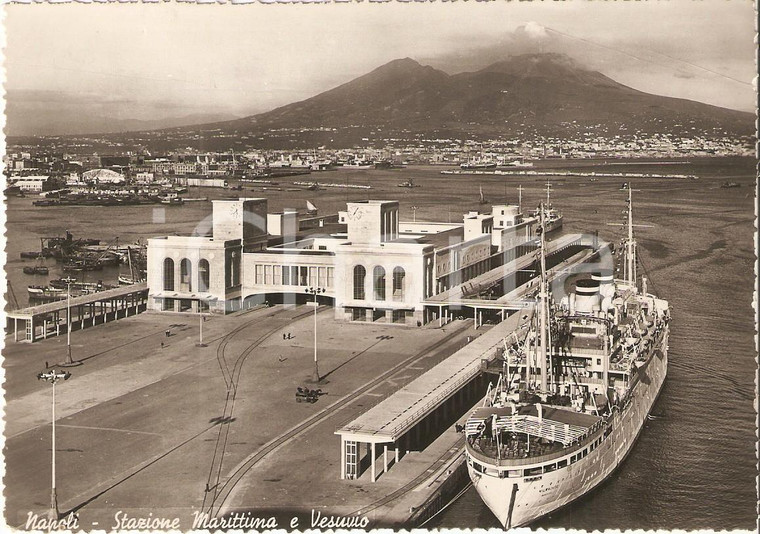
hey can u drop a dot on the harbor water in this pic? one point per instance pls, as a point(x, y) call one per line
point(694, 464)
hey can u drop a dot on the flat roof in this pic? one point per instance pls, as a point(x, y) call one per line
point(59, 305)
point(393, 417)
point(443, 239)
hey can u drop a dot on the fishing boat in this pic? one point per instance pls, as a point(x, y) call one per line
point(575, 385)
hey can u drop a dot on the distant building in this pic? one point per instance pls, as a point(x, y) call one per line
point(32, 184)
point(103, 176)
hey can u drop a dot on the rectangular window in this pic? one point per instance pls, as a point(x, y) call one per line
point(277, 271)
point(330, 276)
point(294, 275)
point(322, 277)
point(267, 274)
point(313, 276)
point(285, 275)
point(303, 276)
point(561, 464)
point(259, 274)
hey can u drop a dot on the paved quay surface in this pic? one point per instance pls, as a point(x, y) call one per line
point(148, 430)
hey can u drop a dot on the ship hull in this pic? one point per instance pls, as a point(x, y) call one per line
point(521, 500)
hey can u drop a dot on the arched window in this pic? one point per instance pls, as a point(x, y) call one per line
point(360, 273)
point(378, 277)
point(203, 275)
point(185, 274)
point(168, 274)
point(399, 280)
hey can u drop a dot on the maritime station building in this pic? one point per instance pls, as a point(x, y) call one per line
point(366, 262)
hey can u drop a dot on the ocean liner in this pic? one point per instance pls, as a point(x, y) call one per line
point(576, 383)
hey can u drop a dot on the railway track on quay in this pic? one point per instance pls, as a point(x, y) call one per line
point(217, 505)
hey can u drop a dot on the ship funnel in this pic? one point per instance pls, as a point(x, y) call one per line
point(587, 299)
point(606, 286)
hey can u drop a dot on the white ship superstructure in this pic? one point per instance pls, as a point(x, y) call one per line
point(575, 386)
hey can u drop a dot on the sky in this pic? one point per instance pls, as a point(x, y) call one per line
point(146, 60)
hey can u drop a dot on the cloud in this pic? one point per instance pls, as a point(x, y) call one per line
point(534, 30)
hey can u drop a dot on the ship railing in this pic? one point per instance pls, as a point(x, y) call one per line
point(532, 460)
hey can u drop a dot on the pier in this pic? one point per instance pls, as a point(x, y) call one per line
point(52, 319)
point(421, 410)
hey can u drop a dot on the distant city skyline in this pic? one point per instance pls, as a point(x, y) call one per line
point(144, 61)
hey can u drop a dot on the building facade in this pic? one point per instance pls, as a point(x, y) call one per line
point(371, 268)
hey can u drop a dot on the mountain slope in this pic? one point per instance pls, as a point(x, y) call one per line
point(547, 94)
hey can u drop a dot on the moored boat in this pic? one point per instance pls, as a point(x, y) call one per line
point(37, 269)
point(576, 383)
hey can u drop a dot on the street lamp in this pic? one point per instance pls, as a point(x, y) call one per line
point(53, 376)
point(315, 291)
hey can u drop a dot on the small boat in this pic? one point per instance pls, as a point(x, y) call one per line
point(38, 269)
point(172, 201)
point(62, 283)
point(44, 290)
point(30, 255)
point(125, 280)
point(408, 184)
point(729, 185)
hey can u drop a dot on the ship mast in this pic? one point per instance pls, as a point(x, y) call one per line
point(542, 303)
point(519, 198)
point(630, 244)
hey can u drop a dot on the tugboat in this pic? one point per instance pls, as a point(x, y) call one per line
point(576, 383)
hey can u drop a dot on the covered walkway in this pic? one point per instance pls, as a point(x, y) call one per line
point(52, 319)
point(486, 292)
point(416, 414)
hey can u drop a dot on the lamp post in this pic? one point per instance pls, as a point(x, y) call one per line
point(315, 291)
point(69, 361)
point(200, 331)
point(53, 376)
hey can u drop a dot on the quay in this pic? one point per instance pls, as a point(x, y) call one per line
point(431, 402)
point(52, 319)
